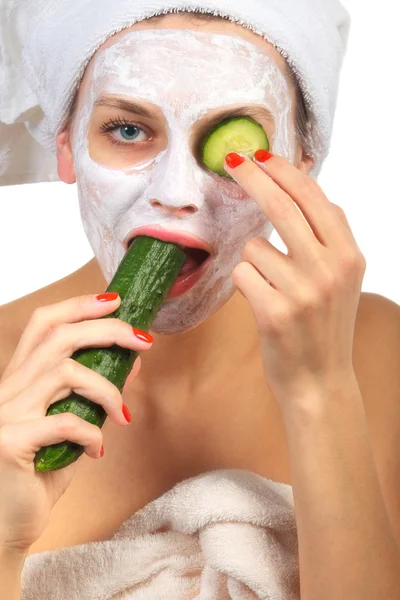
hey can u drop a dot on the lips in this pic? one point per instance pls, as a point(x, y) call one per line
point(180, 238)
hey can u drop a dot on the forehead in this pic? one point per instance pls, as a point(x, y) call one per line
point(182, 67)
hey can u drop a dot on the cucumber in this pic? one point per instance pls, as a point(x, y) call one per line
point(143, 280)
point(236, 134)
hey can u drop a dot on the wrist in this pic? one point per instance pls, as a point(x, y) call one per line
point(321, 396)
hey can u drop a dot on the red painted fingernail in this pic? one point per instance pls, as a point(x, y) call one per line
point(126, 412)
point(107, 297)
point(142, 335)
point(233, 160)
point(102, 451)
point(262, 155)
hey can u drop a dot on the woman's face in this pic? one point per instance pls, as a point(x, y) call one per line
point(143, 166)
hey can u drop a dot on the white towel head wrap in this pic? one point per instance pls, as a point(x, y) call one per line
point(45, 46)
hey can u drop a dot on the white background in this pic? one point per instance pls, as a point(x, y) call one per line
point(41, 235)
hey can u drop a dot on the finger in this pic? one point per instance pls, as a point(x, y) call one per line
point(276, 268)
point(309, 197)
point(45, 318)
point(254, 287)
point(69, 376)
point(19, 442)
point(62, 342)
point(342, 217)
point(134, 373)
point(279, 209)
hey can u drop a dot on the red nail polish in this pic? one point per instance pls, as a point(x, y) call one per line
point(262, 155)
point(126, 412)
point(233, 160)
point(107, 297)
point(142, 335)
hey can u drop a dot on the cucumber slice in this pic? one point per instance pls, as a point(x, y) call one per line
point(143, 280)
point(237, 134)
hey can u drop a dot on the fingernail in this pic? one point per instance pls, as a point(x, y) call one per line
point(107, 297)
point(102, 451)
point(233, 160)
point(142, 335)
point(126, 412)
point(262, 156)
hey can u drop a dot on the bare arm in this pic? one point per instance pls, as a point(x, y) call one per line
point(11, 565)
point(347, 547)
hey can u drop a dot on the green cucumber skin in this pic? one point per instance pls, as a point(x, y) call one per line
point(143, 280)
point(212, 141)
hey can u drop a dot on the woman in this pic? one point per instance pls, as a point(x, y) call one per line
point(236, 371)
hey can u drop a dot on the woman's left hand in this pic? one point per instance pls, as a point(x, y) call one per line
point(305, 303)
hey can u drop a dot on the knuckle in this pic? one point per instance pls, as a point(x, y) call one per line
point(278, 321)
point(112, 395)
point(37, 316)
point(310, 188)
point(83, 301)
point(57, 334)
point(307, 302)
point(339, 209)
point(362, 263)
point(66, 422)
point(352, 261)
point(240, 271)
point(327, 284)
point(116, 394)
point(254, 245)
point(67, 369)
point(109, 328)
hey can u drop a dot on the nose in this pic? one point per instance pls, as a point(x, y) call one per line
point(181, 211)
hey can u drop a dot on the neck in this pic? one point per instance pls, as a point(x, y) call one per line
point(200, 400)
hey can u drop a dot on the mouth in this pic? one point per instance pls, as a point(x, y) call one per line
point(198, 255)
point(197, 251)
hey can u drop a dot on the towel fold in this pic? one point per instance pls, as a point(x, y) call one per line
point(231, 535)
point(45, 46)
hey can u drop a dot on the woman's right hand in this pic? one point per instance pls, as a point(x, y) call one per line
point(40, 373)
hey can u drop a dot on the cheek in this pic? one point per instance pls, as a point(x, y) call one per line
point(236, 213)
point(106, 195)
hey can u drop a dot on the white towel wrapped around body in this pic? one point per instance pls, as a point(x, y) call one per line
point(231, 536)
point(45, 46)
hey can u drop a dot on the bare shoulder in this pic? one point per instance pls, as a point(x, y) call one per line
point(376, 348)
point(15, 315)
point(376, 362)
point(377, 333)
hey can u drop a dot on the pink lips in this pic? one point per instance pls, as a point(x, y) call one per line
point(177, 237)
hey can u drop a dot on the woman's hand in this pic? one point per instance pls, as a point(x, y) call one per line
point(305, 303)
point(40, 373)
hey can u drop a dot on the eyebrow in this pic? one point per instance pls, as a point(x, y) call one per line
point(258, 112)
point(126, 105)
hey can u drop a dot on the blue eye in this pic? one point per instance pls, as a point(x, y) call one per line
point(129, 132)
point(124, 132)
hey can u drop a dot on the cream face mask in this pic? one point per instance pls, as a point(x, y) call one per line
point(184, 74)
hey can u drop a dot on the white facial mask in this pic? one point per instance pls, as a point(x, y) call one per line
point(185, 73)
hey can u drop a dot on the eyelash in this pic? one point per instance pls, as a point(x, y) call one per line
point(114, 124)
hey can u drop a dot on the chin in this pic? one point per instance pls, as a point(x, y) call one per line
point(192, 309)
